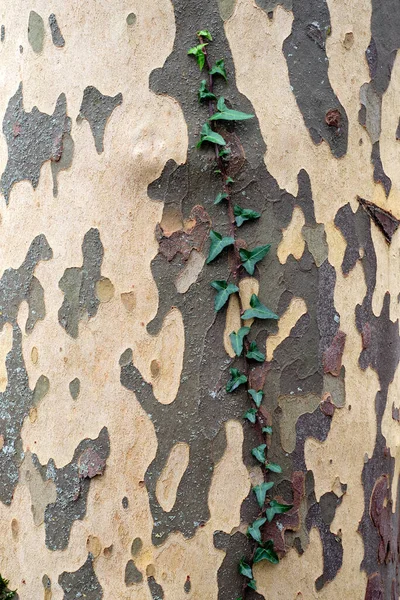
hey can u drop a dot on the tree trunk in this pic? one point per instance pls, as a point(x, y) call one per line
point(126, 468)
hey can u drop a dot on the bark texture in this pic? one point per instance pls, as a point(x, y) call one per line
point(125, 468)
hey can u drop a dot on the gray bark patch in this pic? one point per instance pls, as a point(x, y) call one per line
point(82, 583)
point(74, 388)
point(36, 31)
point(96, 109)
point(72, 486)
point(56, 35)
point(79, 285)
point(17, 286)
point(32, 139)
point(132, 574)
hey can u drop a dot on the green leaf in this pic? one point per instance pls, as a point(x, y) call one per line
point(275, 508)
point(254, 353)
point(205, 34)
point(250, 258)
point(224, 290)
point(204, 93)
point(244, 214)
point(197, 51)
point(266, 554)
point(254, 529)
point(258, 310)
point(218, 69)
point(273, 467)
point(257, 397)
point(218, 243)
point(261, 491)
point(224, 152)
point(208, 135)
point(221, 196)
point(259, 453)
point(251, 415)
point(229, 180)
point(227, 114)
point(245, 569)
point(252, 584)
point(237, 339)
point(267, 429)
point(237, 379)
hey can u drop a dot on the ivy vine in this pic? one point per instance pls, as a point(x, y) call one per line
point(5, 593)
point(243, 262)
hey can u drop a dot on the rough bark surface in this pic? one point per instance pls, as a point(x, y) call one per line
point(125, 468)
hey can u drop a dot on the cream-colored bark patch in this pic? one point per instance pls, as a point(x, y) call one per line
point(189, 274)
point(233, 322)
point(247, 287)
point(296, 309)
point(292, 239)
point(42, 492)
point(172, 473)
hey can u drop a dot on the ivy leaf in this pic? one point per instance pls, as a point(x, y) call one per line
point(250, 258)
point(275, 508)
point(259, 453)
point(205, 34)
point(229, 180)
point(254, 529)
point(227, 114)
point(208, 135)
point(218, 243)
point(251, 415)
point(265, 554)
point(224, 290)
point(252, 584)
point(224, 152)
point(267, 429)
point(204, 93)
point(245, 569)
point(261, 491)
point(244, 214)
point(254, 353)
point(257, 397)
point(221, 196)
point(237, 339)
point(219, 68)
point(273, 467)
point(197, 51)
point(237, 379)
point(258, 310)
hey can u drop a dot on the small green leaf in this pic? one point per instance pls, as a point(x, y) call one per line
point(227, 114)
point(197, 51)
point(224, 153)
point(250, 258)
point(237, 339)
point(218, 243)
point(244, 214)
point(224, 290)
point(257, 397)
point(254, 353)
point(221, 196)
point(204, 93)
point(261, 491)
point(259, 453)
point(229, 180)
point(251, 415)
point(254, 529)
point(265, 554)
point(275, 508)
point(219, 69)
point(237, 379)
point(267, 429)
point(252, 584)
point(245, 569)
point(258, 310)
point(273, 467)
point(205, 34)
point(208, 135)
point(217, 171)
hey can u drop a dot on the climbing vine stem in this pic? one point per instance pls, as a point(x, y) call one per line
point(242, 262)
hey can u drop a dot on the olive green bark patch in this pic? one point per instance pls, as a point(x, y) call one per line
point(316, 241)
point(293, 406)
point(75, 388)
point(132, 574)
point(36, 31)
point(226, 8)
